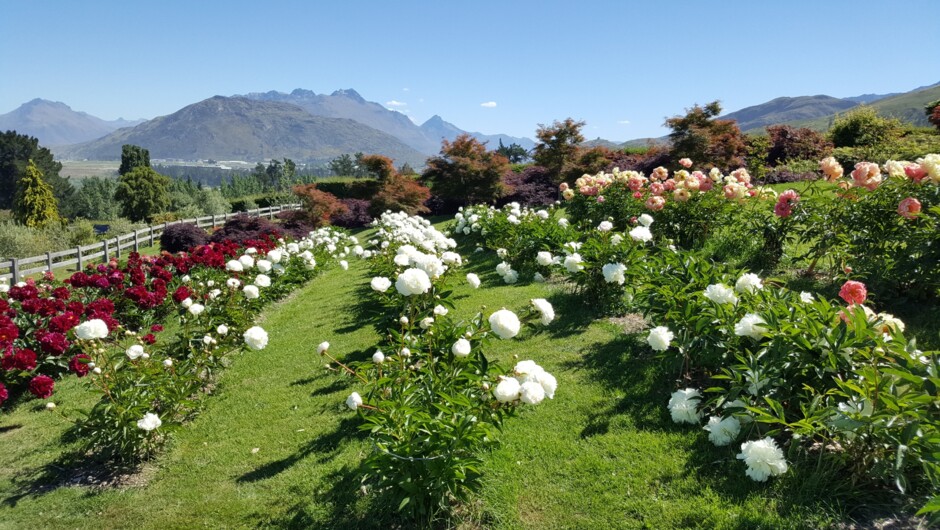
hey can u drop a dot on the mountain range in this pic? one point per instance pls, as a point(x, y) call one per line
point(311, 127)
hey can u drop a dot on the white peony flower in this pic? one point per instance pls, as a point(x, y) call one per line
point(149, 422)
point(763, 459)
point(748, 283)
point(614, 273)
point(274, 256)
point(505, 324)
point(247, 261)
point(721, 294)
point(251, 292)
point(233, 283)
point(473, 280)
point(412, 282)
point(135, 352)
point(378, 357)
point(92, 329)
point(168, 363)
point(256, 338)
point(563, 222)
point(659, 338)
point(511, 277)
point(461, 348)
point(343, 264)
point(573, 263)
point(545, 309)
point(196, 309)
point(402, 260)
point(323, 346)
point(263, 280)
point(354, 400)
point(806, 298)
point(234, 266)
point(605, 226)
point(440, 310)
point(222, 330)
point(507, 390)
point(645, 219)
point(531, 393)
point(187, 303)
point(683, 404)
point(426, 322)
point(544, 258)
point(616, 239)
point(642, 234)
point(380, 284)
point(548, 382)
point(264, 265)
point(722, 431)
point(750, 326)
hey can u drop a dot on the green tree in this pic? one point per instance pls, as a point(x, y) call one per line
point(407, 170)
point(95, 199)
point(707, 140)
point(16, 150)
point(34, 204)
point(864, 127)
point(379, 166)
point(142, 192)
point(465, 172)
point(932, 110)
point(515, 153)
point(133, 156)
point(343, 166)
point(211, 202)
point(558, 145)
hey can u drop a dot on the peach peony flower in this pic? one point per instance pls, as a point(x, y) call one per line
point(831, 168)
point(909, 208)
point(866, 175)
point(853, 292)
point(655, 203)
point(685, 162)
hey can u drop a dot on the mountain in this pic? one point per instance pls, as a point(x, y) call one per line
point(349, 104)
point(238, 128)
point(870, 98)
point(55, 123)
point(782, 110)
point(906, 106)
point(437, 129)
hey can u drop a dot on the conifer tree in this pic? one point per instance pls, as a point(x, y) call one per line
point(34, 205)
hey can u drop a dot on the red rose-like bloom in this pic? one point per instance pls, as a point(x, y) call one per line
point(52, 343)
point(181, 293)
point(24, 360)
point(64, 322)
point(853, 292)
point(41, 386)
point(79, 364)
point(62, 293)
point(4, 395)
point(156, 328)
point(149, 338)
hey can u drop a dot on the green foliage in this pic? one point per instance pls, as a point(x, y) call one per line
point(212, 202)
point(34, 204)
point(95, 199)
point(381, 167)
point(142, 192)
point(758, 147)
point(344, 166)
point(558, 145)
point(515, 153)
point(16, 150)
point(133, 157)
point(465, 172)
point(19, 241)
point(863, 127)
point(399, 193)
point(932, 110)
point(319, 206)
point(705, 139)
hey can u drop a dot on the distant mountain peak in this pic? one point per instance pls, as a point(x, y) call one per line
point(349, 93)
point(303, 93)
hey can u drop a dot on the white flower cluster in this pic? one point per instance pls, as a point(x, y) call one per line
point(530, 385)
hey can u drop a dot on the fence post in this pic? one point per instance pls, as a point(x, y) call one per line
point(151, 235)
point(136, 241)
point(79, 249)
point(15, 270)
point(106, 258)
point(117, 245)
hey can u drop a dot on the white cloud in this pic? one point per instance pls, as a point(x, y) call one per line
point(624, 122)
point(394, 103)
point(406, 89)
point(488, 104)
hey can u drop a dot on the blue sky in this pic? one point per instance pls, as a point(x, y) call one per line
point(488, 66)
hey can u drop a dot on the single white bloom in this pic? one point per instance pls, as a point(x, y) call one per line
point(247, 261)
point(645, 219)
point(544, 258)
point(222, 330)
point(750, 326)
point(440, 310)
point(548, 382)
point(256, 338)
point(378, 357)
point(50, 405)
point(531, 393)
point(134, 352)
point(263, 280)
point(505, 324)
point(763, 459)
point(405, 352)
point(208, 340)
point(403, 320)
point(251, 250)
point(426, 322)
point(511, 277)
point(642, 234)
point(614, 273)
point(168, 362)
point(187, 303)
point(563, 222)
point(683, 404)
point(412, 282)
point(96, 370)
point(616, 239)
point(196, 309)
point(343, 264)
point(748, 283)
point(545, 309)
point(507, 390)
point(722, 431)
point(473, 280)
point(720, 294)
point(605, 226)
point(659, 338)
point(461, 348)
point(264, 265)
point(275, 256)
point(380, 284)
point(186, 279)
point(234, 266)
point(149, 422)
point(806, 297)
point(233, 283)
point(323, 346)
point(354, 400)
point(501, 253)
point(251, 292)
point(573, 263)
point(92, 329)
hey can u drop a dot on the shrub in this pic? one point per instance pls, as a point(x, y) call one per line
point(465, 172)
point(121, 226)
point(242, 228)
point(532, 187)
point(783, 176)
point(182, 237)
point(400, 193)
point(626, 160)
point(788, 143)
point(380, 166)
point(707, 140)
point(18, 241)
point(81, 232)
point(863, 127)
point(355, 216)
point(295, 223)
point(244, 204)
point(319, 206)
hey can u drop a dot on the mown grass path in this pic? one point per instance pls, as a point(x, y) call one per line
point(276, 447)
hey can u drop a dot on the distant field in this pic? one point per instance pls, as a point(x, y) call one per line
point(89, 168)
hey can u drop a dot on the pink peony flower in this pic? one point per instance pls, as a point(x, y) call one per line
point(600, 199)
point(915, 172)
point(657, 188)
point(563, 186)
point(655, 203)
point(783, 209)
point(831, 168)
point(853, 292)
point(866, 175)
point(909, 208)
point(685, 162)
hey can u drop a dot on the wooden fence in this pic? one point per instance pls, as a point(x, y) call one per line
point(17, 268)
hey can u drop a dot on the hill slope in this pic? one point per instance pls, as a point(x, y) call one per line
point(234, 128)
point(783, 110)
point(55, 123)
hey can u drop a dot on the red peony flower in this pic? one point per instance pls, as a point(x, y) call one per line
point(182, 293)
point(853, 292)
point(4, 395)
point(156, 328)
point(41, 386)
point(79, 364)
point(149, 338)
point(52, 343)
point(24, 360)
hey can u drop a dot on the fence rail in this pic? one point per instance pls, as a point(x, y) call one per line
point(16, 268)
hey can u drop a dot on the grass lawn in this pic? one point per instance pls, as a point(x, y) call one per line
point(276, 447)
